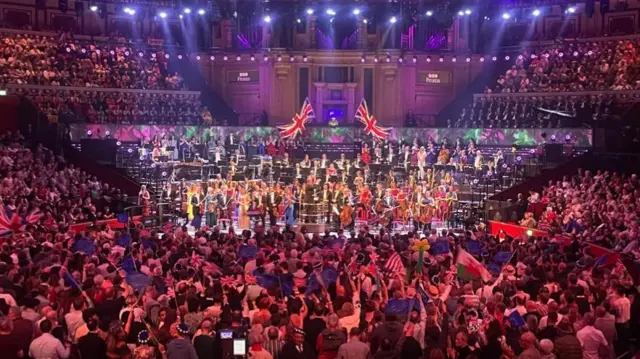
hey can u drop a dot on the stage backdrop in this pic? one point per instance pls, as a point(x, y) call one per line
point(580, 137)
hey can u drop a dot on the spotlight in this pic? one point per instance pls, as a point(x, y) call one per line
point(252, 58)
point(482, 59)
point(304, 58)
point(126, 53)
point(279, 58)
point(141, 158)
point(238, 58)
point(140, 54)
point(356, 11)
point(520, 57)
point(553, 138)
point(93, 8)
point(309, 11)
point(454, 59)
point(166, 56)
point(571, 10)
point(519, 158)
point(201, 12)
point(376, 59)
point(533, 56)
point(153, 165)
point(331, 20)
point(292, 59)
point(441, 59)
point(89, 133)
point(536, 12)
point(127, 10)
point(153, 55)
point(299, 21)
point(107, 133)
point(225, 58)
point(163, 15)
point(68, 49)
point(118, 143)
point(164, 173)
point(467, 12)
point(506, 16)
point(400, 59)
point(429, 13)
point(265, 58)
point(393, 20)
point(331, 12)
point(494, 58)
point(468, 59)
point(428, 58)
point(415, 59)
point(561, 54)
point(567, 138)
point(460, 13)
point(388, 59)
point(212, 58)
point(529, 232)
point(575, 53)
point(590, 53)
point(98, 52)
point(198, 57)
point(267, 19)
point(180, 57)
point(363, 59)
point(365, 21)
point(130, 150)
point(132, 12)
point(181, 16)
point(507, 58)
point(186, 10)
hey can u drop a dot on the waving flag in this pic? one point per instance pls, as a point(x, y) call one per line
point(371, 126)
point(9, 221)
point(394, 264)
point(33, 216)
point(299, 121)
point(469, 267)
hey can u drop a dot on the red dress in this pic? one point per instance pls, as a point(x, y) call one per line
point(271, 149)
point(366, 158)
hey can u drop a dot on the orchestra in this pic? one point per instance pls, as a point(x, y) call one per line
point(337, 192)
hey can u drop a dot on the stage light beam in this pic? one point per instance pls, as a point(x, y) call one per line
point(393, 20)
point(93, 8)
point(201, 12)
point(506, 16)
point(163, 15)
point(187, 10)
point(536, 12)
point(267, 19)
point(429, 13)
point(309, 11)
point(356, 11)
point(331, 12)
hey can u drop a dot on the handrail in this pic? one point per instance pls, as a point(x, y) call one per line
point(621, 95)
point(99, 89)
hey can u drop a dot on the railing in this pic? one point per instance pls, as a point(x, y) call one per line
point(621, 96)
point(98, 89)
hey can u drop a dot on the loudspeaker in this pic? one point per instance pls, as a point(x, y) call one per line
point(553, 152)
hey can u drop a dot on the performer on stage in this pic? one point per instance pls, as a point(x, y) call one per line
point(196, 203)
point(144, 199)
point(210, 207)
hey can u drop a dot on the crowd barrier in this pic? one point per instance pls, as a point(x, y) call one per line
point(113, 223)
point(514, 230)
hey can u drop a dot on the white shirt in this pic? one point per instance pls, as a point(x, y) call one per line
point(591, 339)
point(47, 346)
point(623, 306)
point(543, 321)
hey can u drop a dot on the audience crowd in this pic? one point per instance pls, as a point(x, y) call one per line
point(39, 187)
point(535, 112)
point(45, 60)
point(574, 66)
point(602, 207)
point(171, 293)
point(97, 106)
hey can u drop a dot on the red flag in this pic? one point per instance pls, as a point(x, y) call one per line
point(605, 256)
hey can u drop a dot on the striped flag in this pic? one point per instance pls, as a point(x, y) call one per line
point(394, 264)
point(211, 268)
point(299, 121)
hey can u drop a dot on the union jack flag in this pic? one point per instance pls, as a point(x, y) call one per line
point(299, 121)
point(12, 222)
point(371, 126)
point(211, 268)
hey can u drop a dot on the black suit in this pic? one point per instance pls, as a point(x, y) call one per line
point(272, 205)
point(291, 351)
point(91, 346)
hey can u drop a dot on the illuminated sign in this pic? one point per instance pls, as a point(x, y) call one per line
point(434, 77)
point(252, 76)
